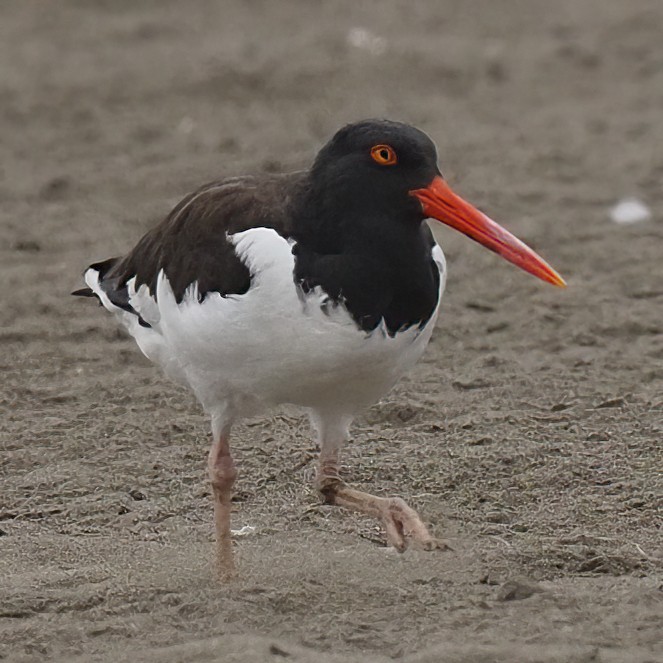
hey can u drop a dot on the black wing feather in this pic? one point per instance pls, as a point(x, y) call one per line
point(191, 246)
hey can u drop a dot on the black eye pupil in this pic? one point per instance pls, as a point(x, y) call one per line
point(384, 154)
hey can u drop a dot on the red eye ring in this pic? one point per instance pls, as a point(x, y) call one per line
point(384, 155)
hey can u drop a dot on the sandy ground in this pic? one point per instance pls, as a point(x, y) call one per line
point(529, 437)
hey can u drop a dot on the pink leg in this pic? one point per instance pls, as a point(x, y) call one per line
point(222, 474)
point(400, 521)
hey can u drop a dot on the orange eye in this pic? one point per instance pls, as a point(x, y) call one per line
point(384, 155)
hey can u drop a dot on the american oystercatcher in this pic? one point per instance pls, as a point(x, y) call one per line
point(319, 288)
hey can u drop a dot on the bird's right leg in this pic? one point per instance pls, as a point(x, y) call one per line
point(222, 474)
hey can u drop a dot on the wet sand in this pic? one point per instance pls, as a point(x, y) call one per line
point(529, 436)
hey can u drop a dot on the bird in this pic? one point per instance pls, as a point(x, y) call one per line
point(318, 288)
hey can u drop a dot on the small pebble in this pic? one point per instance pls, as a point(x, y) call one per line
point(517, 589)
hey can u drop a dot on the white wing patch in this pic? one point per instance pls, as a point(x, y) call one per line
point(441, 262)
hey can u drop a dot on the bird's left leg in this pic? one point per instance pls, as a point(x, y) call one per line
point(401, 522)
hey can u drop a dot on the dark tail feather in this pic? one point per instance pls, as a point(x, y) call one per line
point(83, 292)
point(119, 296)
point(101, 267)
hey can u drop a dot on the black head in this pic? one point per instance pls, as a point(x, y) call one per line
point(378, 174)
point(370, 167)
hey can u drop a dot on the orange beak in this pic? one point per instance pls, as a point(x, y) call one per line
point(439, 202)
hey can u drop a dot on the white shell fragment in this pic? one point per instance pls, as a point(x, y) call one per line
point(367, 41)
point(630, 210)
point(187, 125)
point(243, 531)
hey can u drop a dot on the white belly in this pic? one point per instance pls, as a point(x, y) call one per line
point(271, 345)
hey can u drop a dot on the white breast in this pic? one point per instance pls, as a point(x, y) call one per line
point(241, 353)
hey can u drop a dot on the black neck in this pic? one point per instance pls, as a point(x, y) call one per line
point(377, 262)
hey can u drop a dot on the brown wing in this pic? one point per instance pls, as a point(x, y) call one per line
point(190, 244)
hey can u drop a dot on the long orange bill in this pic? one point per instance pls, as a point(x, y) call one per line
point(441, 203)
